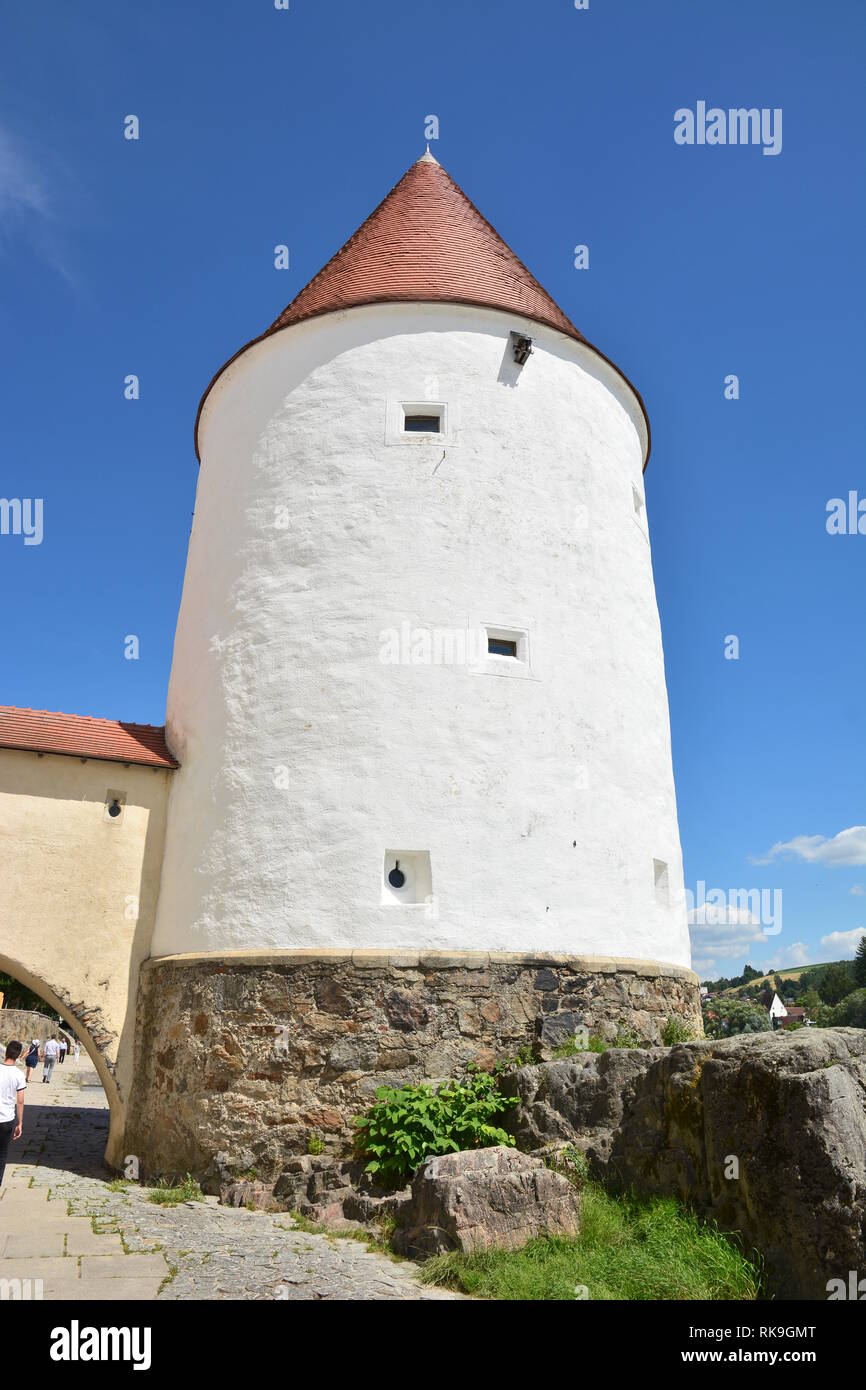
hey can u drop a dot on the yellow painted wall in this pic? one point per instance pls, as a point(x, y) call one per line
point(78, 897)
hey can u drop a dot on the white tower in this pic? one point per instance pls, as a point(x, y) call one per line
point(419, 623)
point(425, 812)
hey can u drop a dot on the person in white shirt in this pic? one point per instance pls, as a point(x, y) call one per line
point(49, 1057)
point(76, 1050)
point(63, 1045)
point(12, 1088)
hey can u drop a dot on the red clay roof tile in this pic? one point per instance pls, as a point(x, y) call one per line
point(425, 242)
point(77, 735)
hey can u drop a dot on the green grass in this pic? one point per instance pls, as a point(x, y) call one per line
point(627, 1248)
point(572, 1046)
point(171, 1194)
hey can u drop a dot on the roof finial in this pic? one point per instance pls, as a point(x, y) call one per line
point(428, 157)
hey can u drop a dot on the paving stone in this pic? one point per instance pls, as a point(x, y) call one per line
point(196, 1250)
point(123, 1266)
point(24, 1245)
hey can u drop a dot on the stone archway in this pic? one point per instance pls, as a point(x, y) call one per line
point(92, 1040)
point(78, 890)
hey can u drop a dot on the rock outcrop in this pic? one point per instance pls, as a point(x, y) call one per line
point(763, 1133)
point(485, 1199)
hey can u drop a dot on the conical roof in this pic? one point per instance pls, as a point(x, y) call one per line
point(425, 242)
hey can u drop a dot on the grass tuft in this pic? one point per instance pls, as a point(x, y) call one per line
point(628, 1248)
point(167, 1194)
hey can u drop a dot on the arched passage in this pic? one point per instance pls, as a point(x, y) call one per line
point(78, 890)
point(114, 1148)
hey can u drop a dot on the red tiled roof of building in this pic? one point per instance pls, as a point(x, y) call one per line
point(425, 242)
point(77, 735)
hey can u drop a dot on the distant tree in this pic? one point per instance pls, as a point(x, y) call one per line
point(859, 966)
point(851, 1013)
point(749, 974)
point(836, 983)
point(18, 996)
point(735, 1016)
point(810, 1001)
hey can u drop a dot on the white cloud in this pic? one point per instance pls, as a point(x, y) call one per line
point(713, 915)
point(848, 847)
point(22, 191)
point(858, 891)
point(723, 933)
point(28, 207)
point(844, 943)
point(797, 954)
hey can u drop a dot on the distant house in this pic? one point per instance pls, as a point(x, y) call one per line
point(777, 1012)
point(795, 1014)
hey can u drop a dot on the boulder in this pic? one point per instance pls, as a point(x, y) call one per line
point(763, 1133)
point(482, 1199)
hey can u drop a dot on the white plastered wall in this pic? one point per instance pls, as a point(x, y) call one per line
point(543, 799)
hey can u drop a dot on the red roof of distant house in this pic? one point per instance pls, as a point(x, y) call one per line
point(425, 242)
point(77, 735)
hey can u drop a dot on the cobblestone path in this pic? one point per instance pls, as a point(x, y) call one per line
point(61, 1223)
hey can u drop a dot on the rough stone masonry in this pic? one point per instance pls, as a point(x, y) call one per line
point(250, 1058)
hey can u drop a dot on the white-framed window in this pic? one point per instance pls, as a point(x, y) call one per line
point(505, 650)
point(419, 423)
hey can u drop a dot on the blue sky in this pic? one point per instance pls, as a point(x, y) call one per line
point(261, 126)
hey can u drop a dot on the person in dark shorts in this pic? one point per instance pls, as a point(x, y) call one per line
point(31, 1061)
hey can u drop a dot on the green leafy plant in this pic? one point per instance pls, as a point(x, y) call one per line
point(408, 1124)
point(675, 1031)
point(627, 1038)
point(315, 1143)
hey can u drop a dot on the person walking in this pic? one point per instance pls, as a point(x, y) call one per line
point(76, 1051)
point(31, 1061)
point(12, 1088)
point(49, 1057)
point(63, 1045)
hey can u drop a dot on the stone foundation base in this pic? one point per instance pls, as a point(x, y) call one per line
point(244, 1062)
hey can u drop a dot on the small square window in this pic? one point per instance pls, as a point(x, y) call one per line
point(422, 424)
point(504, 651)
